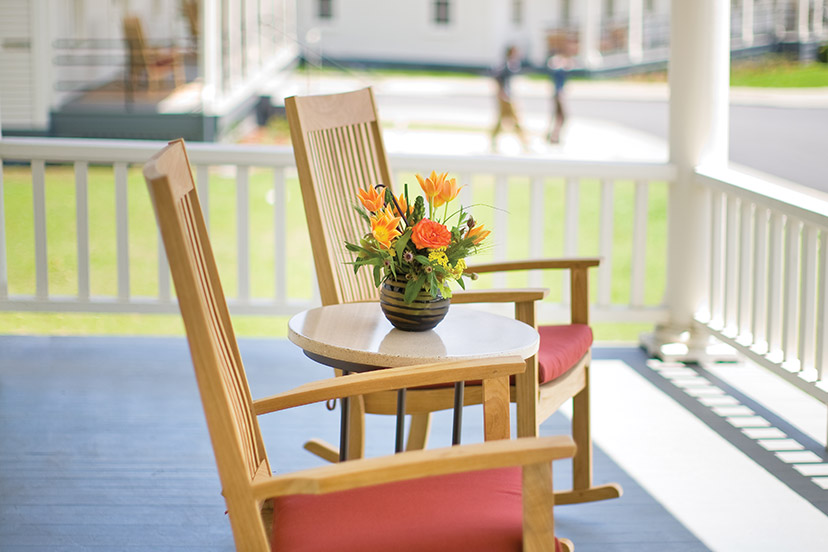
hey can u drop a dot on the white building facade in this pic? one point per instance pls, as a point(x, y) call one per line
point(53, 50)
point(474, 33)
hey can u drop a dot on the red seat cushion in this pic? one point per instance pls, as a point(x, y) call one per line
point(561, 347)
point(479, 511)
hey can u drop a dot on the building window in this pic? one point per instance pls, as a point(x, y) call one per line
point(441, 12)
point(517, 12)
point(325, 9)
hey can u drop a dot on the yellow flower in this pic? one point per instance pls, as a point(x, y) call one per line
point(439, 256)
point(384, 227)
point(458, 269)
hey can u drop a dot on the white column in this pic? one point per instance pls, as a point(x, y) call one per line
point(590, 33)
point(802, 27)
point(635, 38)
point(819, 14)
point(699, 86)
point(209, 55)
point(41, 55)
point(747, 22)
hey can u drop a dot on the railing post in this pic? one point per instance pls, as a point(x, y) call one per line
point(699, 86)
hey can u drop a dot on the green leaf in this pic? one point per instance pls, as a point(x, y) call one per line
point(433, 285)
point(402, 241)
point(413, 287)
point(362, 214)
point(377, 275)
point(423, 260)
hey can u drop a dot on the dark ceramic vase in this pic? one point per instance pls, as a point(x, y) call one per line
point(422, 314)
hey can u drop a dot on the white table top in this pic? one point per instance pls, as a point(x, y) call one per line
point(358, 333)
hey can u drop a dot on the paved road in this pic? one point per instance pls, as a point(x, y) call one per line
point(784, 141)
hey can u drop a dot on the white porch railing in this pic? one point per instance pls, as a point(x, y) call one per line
point(768, 286)
point(767, 294)
point(505, 180)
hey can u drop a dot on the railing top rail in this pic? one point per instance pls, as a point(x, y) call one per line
point(540, 166)
point(137, 151)
point(70, 150)
point(788, 198)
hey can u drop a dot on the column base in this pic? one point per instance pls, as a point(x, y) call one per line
point(674, 344)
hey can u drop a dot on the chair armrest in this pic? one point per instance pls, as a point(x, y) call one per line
point(389, 379)
point(536, 264)
point(499, 295)
point(415, 464)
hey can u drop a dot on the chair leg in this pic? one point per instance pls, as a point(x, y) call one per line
point(582, 488)
point(356, 437)
point(322, 449)
point(566, 545)
point(418, 432)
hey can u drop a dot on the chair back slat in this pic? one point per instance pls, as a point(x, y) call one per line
point(338, 147)
point(222, 383)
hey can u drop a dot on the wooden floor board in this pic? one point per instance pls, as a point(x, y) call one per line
point(103, 446)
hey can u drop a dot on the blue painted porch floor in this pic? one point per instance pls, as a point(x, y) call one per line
point(103, 446)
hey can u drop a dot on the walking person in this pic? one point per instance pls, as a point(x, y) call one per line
point(506, 109)
point(559, 65)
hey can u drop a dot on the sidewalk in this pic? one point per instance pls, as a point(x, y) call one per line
point(425, 114)
point(455, 114)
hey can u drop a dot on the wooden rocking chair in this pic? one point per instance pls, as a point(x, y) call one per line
point(492, 496)
point(153, 64)
point(337, 143)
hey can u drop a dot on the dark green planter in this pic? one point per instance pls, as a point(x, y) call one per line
point(424, 313)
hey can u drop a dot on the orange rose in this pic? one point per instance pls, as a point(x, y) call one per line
point(430, 234)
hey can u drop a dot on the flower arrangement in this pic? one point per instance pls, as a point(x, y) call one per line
point(413, 242)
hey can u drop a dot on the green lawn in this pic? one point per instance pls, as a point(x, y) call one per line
point(143, 245)
point(771, 71)
point(776, 72)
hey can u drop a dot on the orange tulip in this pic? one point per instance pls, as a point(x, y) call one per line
point(477, 233)
point(447, 193)
point(403, 205)
point(372, 199)
point(384, 228)
point(432, 185)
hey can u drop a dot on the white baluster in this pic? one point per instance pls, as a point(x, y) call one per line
point(122, 230)
point(82, 223)
point(639, 252)
point(605, 244)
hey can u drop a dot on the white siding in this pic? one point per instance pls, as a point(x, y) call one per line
point(16, 110)
point(378, 30)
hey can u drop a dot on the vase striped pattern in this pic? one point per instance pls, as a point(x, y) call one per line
point(422, 314)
